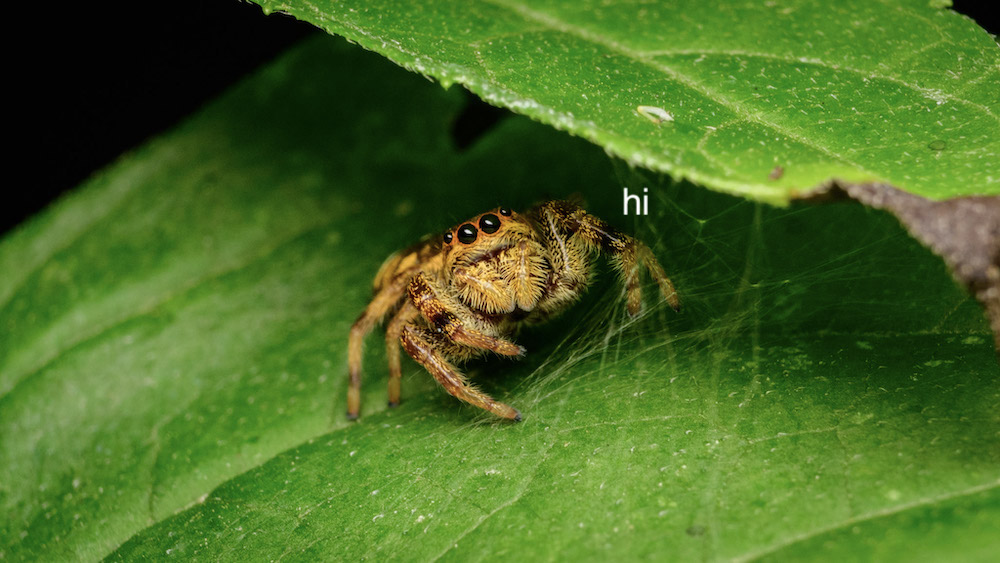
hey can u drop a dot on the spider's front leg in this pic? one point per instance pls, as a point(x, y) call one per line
point(424, 346)
point(425, 296)
point(419, 343)
point(627, 253)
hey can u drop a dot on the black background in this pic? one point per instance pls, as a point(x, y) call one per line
point(96, 83)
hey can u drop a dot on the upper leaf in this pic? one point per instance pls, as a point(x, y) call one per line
point(768, 99)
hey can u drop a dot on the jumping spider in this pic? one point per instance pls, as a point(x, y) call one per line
point(457, 295)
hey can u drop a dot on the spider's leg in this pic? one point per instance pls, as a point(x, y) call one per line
point(426, 297)
point(627, 253)
point(406, 313)
point(419, 344)
point(379, 307)
point(569, 257)
point(656, 271)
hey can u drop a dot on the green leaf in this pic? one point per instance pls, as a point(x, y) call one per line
point(768, 99)
point(173, 357)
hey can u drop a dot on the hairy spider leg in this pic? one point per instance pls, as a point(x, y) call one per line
point(627, 253)
point(418, 344)
point(656, 271)
point(425, 296)
point(406, 313)
point(377, 309)
point(569, 258)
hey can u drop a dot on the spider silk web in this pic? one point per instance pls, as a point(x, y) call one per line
point(738, 266)
point(777, 391)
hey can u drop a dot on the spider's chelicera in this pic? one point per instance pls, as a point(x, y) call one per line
point(461, 294)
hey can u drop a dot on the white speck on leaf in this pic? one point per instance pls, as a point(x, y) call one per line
point(655, 114)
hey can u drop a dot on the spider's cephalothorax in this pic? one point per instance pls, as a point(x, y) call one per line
point(458, 295)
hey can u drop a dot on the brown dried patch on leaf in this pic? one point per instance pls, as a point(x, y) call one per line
point(965, 231)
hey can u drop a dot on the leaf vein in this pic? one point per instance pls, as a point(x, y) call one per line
point(799, 538)
point(930, 93)
point(732, 105)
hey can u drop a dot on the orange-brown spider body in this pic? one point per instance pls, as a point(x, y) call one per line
point(460, 295)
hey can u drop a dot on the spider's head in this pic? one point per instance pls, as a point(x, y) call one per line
point(484, 234)
point(490, 257)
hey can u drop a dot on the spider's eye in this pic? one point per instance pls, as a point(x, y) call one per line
point(467, 233)
point(447, 237)
point(505, 212)
point(489, 223)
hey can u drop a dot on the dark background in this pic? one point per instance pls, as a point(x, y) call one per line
point(96, 83)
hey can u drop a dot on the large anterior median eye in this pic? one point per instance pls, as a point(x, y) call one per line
point(489, 223)
point(467, 233)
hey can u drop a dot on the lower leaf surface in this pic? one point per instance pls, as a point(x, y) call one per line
point(173, 374)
